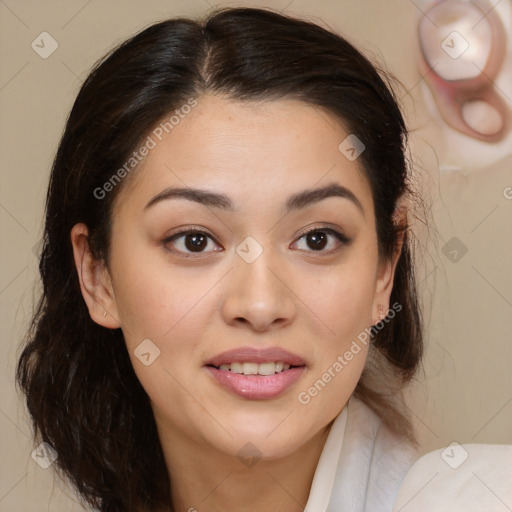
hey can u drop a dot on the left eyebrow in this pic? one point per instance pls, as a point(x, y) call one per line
point(295, 202)
point(312, 196)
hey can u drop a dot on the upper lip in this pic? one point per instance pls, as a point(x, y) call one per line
point(256, 355)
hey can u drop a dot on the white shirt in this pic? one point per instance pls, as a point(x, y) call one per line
point(459, 478)
point(361, 465)
point(364, 467)
point(323, 480)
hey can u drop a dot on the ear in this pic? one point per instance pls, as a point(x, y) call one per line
point(386, 271)
point(95, 282)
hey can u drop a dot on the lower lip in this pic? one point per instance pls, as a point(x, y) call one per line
point(257, 387)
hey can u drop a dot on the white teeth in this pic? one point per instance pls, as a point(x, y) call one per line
point(250, 368)
point(267, 368)
point(256, 369)
point(236, 368)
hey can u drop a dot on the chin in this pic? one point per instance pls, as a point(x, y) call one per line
point(274, 436)
point(274, 447)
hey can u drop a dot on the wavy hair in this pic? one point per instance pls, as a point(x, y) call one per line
point(81, 391)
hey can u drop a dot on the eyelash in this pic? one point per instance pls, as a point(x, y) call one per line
point(339, 236)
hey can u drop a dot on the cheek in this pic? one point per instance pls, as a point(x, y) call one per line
point(155, 300)
point(163, 308)
point(341, 300)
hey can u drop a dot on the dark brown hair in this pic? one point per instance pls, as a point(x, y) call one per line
point(81, 390)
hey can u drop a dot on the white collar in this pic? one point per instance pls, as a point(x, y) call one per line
point(361, 465)
point(323, 480)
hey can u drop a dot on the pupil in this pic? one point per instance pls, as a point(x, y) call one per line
point(317, 240)
point(195, 242)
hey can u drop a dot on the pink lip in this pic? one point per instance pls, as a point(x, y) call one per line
point(252, 355)
point(257, 387)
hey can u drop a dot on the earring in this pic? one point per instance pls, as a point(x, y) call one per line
point(104, 313)
point(380, 311)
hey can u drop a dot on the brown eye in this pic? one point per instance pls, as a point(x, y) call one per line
point(190, 242)
point(317, 239)
point(195, 242)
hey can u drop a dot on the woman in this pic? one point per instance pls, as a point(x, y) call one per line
point(229, 310)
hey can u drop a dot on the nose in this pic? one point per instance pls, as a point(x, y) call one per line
point(258, 295)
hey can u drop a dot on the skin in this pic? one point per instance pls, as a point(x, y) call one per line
point(311, 303)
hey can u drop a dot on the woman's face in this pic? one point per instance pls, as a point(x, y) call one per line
point(251, 289)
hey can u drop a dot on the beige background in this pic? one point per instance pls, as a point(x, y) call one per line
point(465, 391)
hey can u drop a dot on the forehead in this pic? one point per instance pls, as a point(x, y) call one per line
point(247, 149)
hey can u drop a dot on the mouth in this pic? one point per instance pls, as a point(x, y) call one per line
point(256, 374)
point(247, 357)
point(250, 368)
